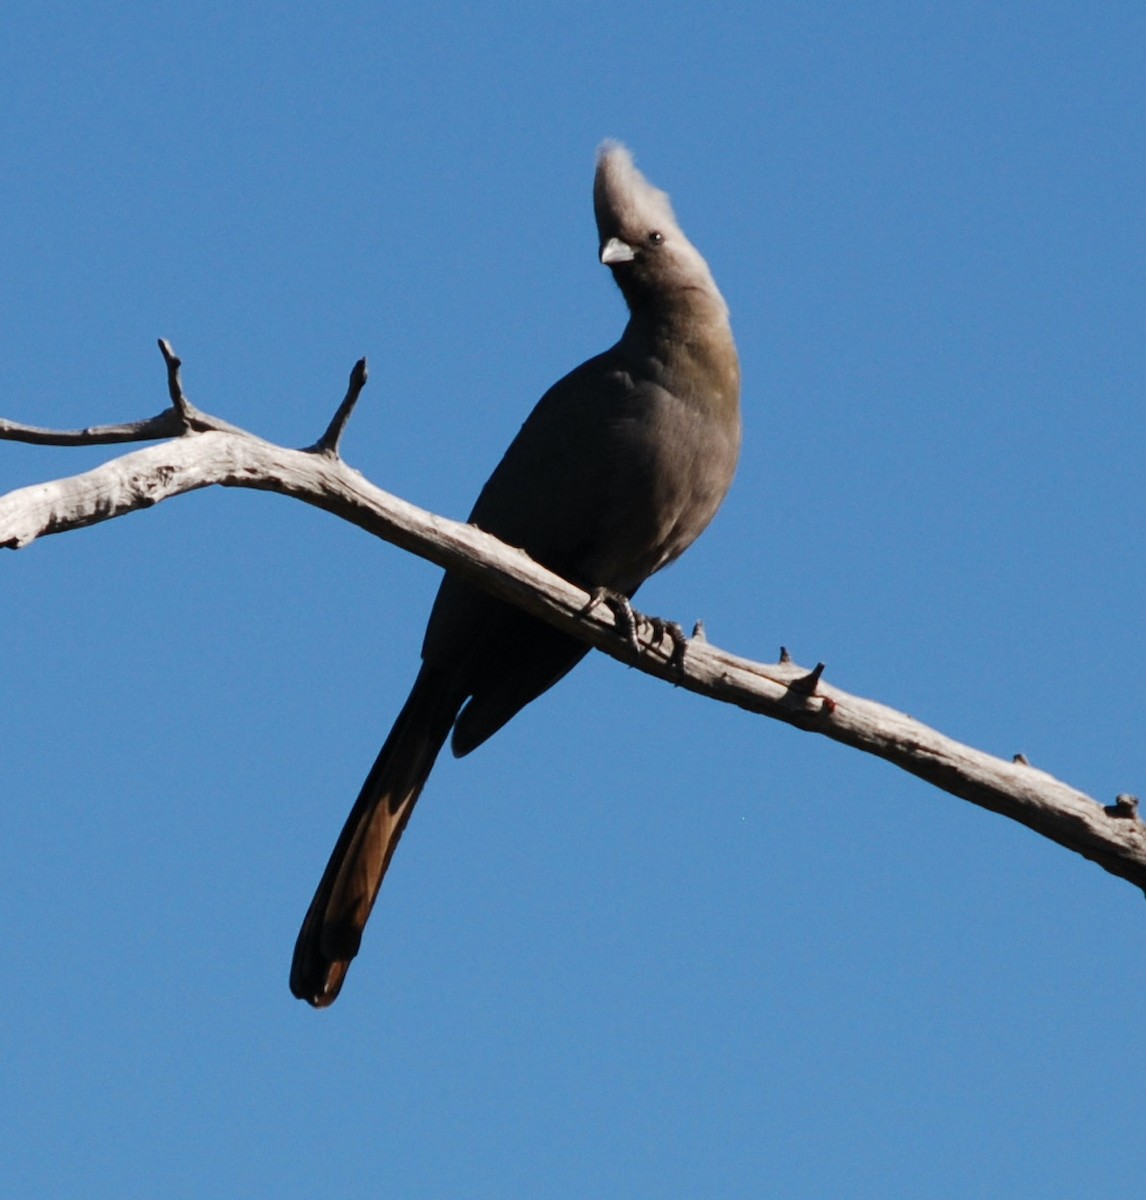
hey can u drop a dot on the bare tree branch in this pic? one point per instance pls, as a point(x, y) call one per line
point(207, 452)
point(167, 424)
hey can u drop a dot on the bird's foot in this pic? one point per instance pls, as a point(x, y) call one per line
point(629, 621)
point(660, 628)
point(624, 615)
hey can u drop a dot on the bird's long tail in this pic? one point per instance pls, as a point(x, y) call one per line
point(332, 930)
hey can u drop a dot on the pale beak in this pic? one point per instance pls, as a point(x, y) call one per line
point(615, 251)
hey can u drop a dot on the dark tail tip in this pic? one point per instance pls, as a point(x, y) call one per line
point(321, 961)
point(319, 988)
point(317, 982)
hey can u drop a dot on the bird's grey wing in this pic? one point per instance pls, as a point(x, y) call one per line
point(549, 496)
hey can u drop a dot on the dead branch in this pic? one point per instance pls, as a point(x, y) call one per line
point(206, 451)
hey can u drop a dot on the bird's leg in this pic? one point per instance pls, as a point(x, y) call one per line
point(623, 613)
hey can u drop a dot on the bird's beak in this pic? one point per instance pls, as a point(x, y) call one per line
point(615, 251)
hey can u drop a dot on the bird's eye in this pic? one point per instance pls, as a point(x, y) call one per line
point(656, 238)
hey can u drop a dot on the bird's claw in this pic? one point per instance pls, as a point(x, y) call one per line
point(624, 615)
point(629, 620)
point(676, 634)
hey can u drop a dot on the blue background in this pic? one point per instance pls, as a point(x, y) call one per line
point(640, 944)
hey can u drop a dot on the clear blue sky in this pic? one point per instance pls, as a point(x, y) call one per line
point(640, 945)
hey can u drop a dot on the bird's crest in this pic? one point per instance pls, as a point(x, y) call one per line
point(626, 204)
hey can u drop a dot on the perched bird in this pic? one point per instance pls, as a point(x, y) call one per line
point(617, 470)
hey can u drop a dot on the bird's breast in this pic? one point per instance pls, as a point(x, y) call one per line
point(672, 460)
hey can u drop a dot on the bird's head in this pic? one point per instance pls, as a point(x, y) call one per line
point(640, 240)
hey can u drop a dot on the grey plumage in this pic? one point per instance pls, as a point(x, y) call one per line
point(617, 470)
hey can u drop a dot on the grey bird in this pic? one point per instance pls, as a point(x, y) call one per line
point(617, 470)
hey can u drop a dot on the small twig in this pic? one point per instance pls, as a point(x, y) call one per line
point(179, 401)
point(1125, 807)
point(806, 685)
point(328, 443)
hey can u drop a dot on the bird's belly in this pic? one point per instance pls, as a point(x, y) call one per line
point(664, 493)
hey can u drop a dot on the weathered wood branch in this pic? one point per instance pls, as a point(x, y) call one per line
point(209, 452)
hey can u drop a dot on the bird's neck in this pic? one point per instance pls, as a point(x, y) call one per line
point(688, 348)
point(688, 316)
